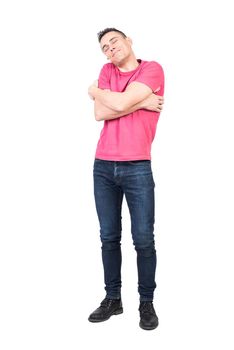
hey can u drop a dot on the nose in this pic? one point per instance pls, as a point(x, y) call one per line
point(112, 47)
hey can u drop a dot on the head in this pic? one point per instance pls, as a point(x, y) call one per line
point(115, 45)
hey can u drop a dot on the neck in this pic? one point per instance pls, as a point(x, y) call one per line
point(131, 63)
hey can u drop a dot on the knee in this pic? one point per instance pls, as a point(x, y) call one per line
point(110, 238)
point(145, 248)
point(109, 245)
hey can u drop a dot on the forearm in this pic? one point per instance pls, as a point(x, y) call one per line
point(109, 99)
point(103, 112)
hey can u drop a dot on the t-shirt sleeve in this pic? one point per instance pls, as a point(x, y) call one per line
point(152, 75)
point(104, 78)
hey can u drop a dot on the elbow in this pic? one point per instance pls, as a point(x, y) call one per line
point(98, 114)
point(98, 117)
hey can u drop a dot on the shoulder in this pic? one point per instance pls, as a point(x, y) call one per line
point(151, 65)
point(107, 67)
point(107, 70)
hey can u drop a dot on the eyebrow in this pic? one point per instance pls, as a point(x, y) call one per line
point(109, 41)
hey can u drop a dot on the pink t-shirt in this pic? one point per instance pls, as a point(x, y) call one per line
point(129, 137)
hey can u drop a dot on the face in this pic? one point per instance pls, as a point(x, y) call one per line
point(116, 48)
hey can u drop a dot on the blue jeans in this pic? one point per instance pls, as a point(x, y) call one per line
point(134, 179)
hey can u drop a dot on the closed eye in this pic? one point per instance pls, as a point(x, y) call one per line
point(105, 48)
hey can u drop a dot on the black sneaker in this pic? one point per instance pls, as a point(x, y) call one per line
point(107, 308)
point(148, 317)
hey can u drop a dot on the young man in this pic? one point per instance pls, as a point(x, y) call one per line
point(129, 98)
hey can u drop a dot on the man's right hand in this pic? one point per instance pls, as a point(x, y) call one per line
point(153, 103)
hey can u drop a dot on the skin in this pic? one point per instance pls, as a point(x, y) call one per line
point(111, 105)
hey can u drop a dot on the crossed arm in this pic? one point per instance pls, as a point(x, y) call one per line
point(112, 105)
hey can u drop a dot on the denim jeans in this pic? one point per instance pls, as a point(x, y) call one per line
point(134, 179)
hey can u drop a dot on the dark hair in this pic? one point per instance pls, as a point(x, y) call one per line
point(107, 30)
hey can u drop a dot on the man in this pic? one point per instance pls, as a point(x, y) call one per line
point(128, 97)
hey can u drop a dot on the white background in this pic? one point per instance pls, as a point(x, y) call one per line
point(51, 273)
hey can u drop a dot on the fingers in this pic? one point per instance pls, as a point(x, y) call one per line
point(160, 99)
point(159, 109)
point(160, 104)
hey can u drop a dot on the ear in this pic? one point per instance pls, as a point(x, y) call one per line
point(129, 40)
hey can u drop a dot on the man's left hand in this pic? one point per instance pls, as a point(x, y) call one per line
point(91, 88)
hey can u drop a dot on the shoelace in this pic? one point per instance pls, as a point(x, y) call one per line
point(147, 307)
point(106, 302)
